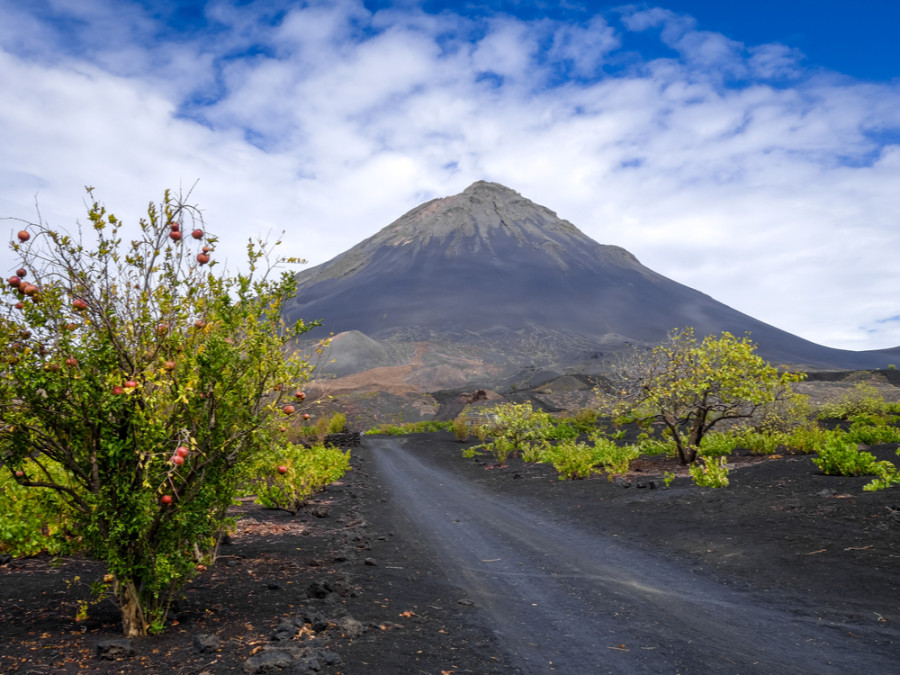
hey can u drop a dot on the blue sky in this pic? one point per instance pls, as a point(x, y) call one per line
point(749, 150)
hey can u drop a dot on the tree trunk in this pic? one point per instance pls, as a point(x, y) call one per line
point(133, 622)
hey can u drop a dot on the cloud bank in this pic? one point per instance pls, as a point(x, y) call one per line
point(738, 170)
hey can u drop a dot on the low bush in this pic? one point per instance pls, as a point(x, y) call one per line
point(863, 398)
point(300, 473)
point(840, 457)
point(462, 428)
point(710, 472)
point(873, 429)
point(657, 446)
point(615, 459)
point(424, 427)
point(570, 458)
point(33, 520)
point(718, 444)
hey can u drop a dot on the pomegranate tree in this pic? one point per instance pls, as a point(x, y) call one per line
point(172, 386)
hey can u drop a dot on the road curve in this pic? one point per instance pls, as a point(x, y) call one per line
point(565, 600)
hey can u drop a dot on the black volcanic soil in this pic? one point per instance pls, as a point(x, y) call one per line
point(483, 570)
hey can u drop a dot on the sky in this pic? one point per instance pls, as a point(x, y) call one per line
point(748, 150)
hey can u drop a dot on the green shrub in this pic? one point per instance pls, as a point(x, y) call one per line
point(425, 427)
point(718, 444)
point(843, 458)
point(657, 446)
point(300, 473)
point(584, 420)
point(570, 458)
point(615, 459)
point(516, 429)
point(761, 443)
point(32, 520)
point(873, 429)
point(809, 438)
point(337, 423)
point(887, 475)
point(561, 430)
point(863, 398)
point(462, 428)
point(710, 472)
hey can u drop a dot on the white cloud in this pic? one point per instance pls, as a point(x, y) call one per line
point(778, 199)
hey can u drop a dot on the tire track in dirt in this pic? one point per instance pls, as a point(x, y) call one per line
point(563, 600)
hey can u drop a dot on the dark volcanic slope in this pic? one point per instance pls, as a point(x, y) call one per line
point(491, 268)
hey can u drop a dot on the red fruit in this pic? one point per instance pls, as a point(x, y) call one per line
point(182, 451)
point(203, 258)
point(162, 329)
point(117, 390)
point(282, 429)
point(19, 473)
point(131, 384)
point(205, 249)
point(71, 362)
point(29, 289)
point(71, 326)
point(166, 499)
point(52, 367)
point(299, 395)
point(79, 304)
point(169, 365)
point(197, 234)
point(282, 468)
point(288, 410)
point(175, 235)
point(306, 416)
point(199, 323)
point(14, 281)
point(24, 236)
point(21, 272)
point(174, 226)
point(177, 460)
point(20, 305)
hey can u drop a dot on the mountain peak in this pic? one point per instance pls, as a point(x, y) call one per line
point(485, 219)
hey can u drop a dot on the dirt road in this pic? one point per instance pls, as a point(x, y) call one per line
point(565, 597)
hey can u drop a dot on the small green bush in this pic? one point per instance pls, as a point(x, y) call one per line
point(718, 444)
point(840, 457)
point(424, 427)
point(761, 443)
point(306, 472)
point(710, 472)
point(584, 420)
point(31, 520)
point(615, 459)
point(657, 446)
point(337, 423)
point(809, 438)
point(562, 430)
point(863, 398)
point(462, 428)
point(873, 429)
point(570, 458)
point(887, 475)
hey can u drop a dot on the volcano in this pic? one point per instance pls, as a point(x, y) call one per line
point(493, 272)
